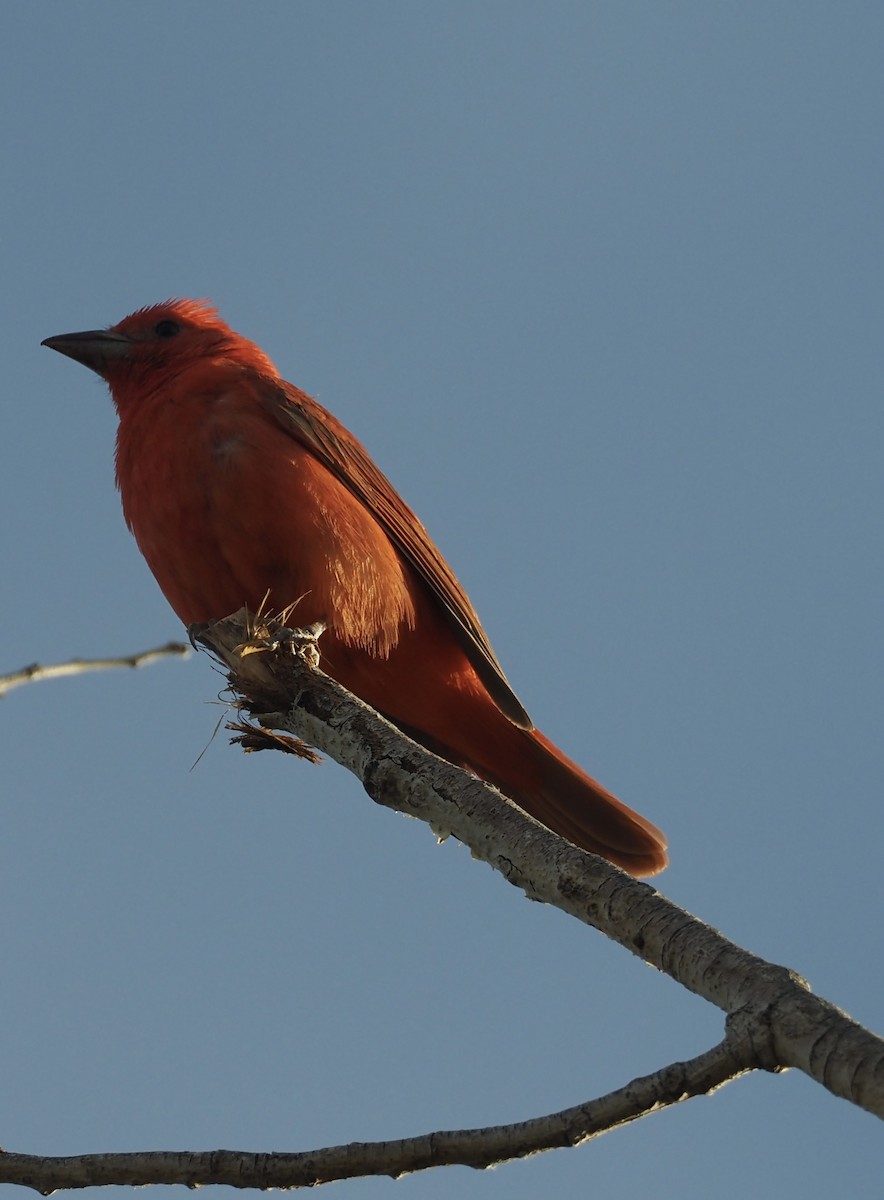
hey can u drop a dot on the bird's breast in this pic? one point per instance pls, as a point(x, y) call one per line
point(229, 509)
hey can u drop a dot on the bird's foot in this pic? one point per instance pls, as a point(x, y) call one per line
point(301, 640)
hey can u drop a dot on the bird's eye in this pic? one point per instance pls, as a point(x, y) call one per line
point(167, 329)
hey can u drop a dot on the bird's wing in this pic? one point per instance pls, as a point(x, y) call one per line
point(338, 450)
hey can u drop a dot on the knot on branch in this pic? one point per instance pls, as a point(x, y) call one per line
point(751, 1034)
point(756, 1027)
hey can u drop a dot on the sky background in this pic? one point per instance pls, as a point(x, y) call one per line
point(600, 287)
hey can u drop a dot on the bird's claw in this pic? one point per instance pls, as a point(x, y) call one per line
point(195, 632)
point(301, 640)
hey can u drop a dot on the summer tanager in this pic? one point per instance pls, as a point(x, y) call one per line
point(242, 490)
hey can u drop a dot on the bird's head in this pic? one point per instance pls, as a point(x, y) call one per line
point(151, 346)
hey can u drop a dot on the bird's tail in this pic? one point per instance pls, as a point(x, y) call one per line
point(566, 800)
point(544, 782)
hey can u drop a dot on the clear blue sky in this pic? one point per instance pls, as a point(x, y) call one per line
point(600, 286)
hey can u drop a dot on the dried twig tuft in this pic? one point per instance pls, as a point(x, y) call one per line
point(255, 737)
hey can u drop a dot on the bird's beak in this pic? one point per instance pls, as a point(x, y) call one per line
point(95, 348)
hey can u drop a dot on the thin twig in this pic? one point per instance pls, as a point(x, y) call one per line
point(35, 673)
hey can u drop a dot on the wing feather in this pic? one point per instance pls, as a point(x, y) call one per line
point(338, 450)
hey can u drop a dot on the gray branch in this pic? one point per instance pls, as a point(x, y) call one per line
point(35, 673)
point(773, 1021)
point(478, 1148)
point(771, 1006)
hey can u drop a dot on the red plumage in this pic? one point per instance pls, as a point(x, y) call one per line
point(240, 489)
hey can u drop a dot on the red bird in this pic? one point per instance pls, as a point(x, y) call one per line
point(238, 486)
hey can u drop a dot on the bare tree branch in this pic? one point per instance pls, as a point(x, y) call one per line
point(773, 1020)
point(477, 1148)
point(772, 1006)
point(35, 673)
